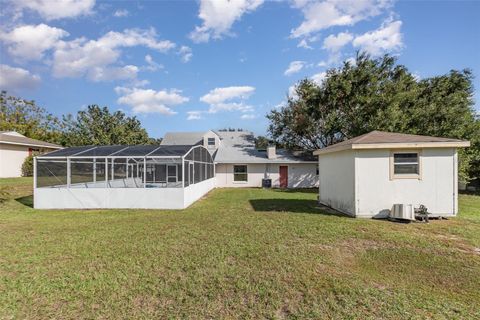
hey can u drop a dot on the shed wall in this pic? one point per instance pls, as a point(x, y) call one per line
point(337, 181)
point(376, 192)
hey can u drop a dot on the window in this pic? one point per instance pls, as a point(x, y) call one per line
point(211, 142)
point(406, 165)
point(240, 173)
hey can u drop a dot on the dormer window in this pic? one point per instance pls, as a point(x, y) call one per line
point(211, 142)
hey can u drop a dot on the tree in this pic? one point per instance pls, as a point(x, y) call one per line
point(25, 117)
point(261, 142)
point(97, 126)
point(377, 94)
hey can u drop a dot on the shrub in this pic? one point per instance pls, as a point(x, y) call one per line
point(27, 166)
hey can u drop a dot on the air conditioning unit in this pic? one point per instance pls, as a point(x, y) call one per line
point(402, 211)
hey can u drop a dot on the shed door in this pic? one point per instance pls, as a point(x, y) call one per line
point(283, 176)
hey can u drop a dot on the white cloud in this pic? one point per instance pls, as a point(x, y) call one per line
point(319, 15)
point(186, 53)
point(387, 38)
point(152, 65)
point(120, 13)
point(319, 77)
point(82, 57)
point(218, 17)
point(292, 92)
point(248, 116)
point(14, 79)
point(150, 101)
point(335, 43)
point(352, 61)
point(30, 42)
point(194, 115)
point(230, 106)
point(294, 67)
point(304, 44)
point(98, 74)
point(228, 99)
point(57, 9)
point(219, 95)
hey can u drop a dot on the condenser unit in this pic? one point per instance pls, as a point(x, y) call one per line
point(403, 211)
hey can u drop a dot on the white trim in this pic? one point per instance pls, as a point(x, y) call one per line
point(233, 173)
point(30, 145)
point(286, 162)
point(395, 176)
point(393, 145)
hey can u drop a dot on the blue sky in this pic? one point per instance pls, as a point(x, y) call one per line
point(197, 65)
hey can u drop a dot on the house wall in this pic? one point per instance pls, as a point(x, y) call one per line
point(437, 188)
point(300, 175)
point(337, 181)
point(11, 159)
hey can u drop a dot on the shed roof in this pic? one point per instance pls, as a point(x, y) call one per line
point(12, 137)
point(381, 140)
point(120, 151)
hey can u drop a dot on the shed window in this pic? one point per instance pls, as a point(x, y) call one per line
point(211, 141)
point(240, 173)
point(406, 164)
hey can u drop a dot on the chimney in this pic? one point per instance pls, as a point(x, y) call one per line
point(271, 152)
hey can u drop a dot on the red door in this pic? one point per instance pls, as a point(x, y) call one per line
point(283, 176)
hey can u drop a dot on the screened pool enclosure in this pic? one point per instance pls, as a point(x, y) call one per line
point(150, 176)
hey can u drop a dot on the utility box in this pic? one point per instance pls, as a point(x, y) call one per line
point(266, 183)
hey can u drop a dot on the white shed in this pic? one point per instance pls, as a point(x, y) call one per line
point(365, 176)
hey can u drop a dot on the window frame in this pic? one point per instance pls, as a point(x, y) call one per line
point(394, 176)
point(234, 174)
point(209, 145)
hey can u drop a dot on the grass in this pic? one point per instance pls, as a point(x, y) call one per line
point(238, 253)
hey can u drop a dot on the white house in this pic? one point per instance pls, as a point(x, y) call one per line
point(239, 164)
point(365, 176)
point(14, 148)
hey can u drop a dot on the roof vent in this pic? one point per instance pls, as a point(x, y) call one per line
point(271, 152)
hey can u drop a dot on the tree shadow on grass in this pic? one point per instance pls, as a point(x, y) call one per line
point(293, 205)
point(26, 201)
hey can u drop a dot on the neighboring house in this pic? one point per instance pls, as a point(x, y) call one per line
point(365, 176)
point(14, 148)
point(239, 164)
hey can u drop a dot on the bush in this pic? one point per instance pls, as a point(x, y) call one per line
point(27, 166)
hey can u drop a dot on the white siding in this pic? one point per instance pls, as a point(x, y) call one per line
point(337, 181)
point(300, 175)
point(11, 160)
point(376, 192)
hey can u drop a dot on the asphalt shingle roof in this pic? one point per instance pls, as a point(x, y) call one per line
point(382, 137)
point(183, 138)
point(22, 140)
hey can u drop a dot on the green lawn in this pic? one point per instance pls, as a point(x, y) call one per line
point(238, 253)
